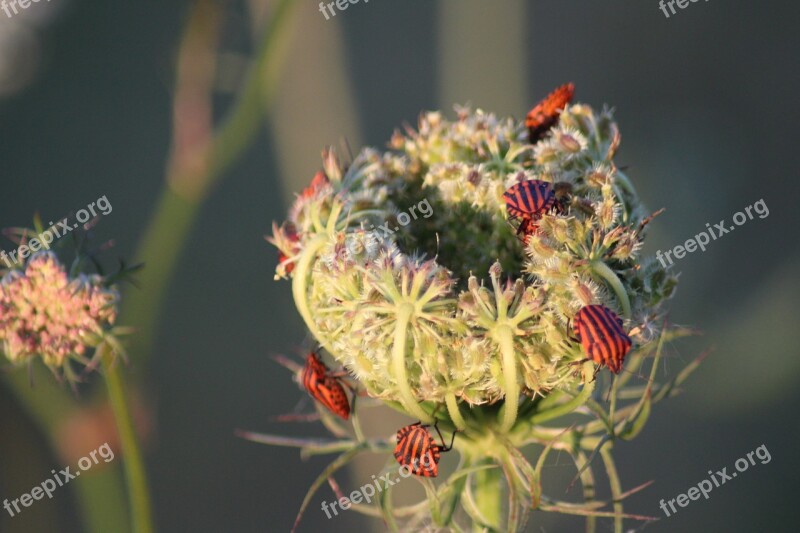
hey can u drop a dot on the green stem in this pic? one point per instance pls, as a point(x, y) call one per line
point(505, 341)
point(602, 270)
point(489, 496)
point(404, 314)
point(616, 486)
point(135, 476)
point(564, 408)
point(455, 413)
point(587, 482)
point(526, 426)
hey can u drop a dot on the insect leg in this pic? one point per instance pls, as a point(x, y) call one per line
point(441, 438)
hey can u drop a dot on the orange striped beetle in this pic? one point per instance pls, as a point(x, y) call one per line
point(417, 451)
point(545, 114)
point(599, 330)
point(325, 387)
point(528, 201)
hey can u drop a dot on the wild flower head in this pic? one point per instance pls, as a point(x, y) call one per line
point(58, 316)
point(468, 315)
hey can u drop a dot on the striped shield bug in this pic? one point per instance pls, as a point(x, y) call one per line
point(600, 332)
point(286, 237)
point(284, 260)
point(528, 201)
point(325, 387)
point(417, 451)
point(319, 181)
point(545, 114)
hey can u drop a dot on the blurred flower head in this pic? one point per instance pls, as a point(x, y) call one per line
point(45, 312)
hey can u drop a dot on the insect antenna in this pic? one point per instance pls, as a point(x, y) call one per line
point(649, 219)
point(296, 417)
point(286, 362)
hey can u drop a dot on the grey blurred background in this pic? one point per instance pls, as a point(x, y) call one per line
point(707, 104)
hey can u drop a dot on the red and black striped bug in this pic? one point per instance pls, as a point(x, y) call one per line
point(325, 387)
point(283, 259)
point(600, 332)
point(417, 451)
point(319, 181)
point(545, 114)
point(528, 201)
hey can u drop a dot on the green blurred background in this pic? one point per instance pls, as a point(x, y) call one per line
point(707, 105)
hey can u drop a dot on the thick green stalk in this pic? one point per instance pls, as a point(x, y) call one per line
point(489, 497)
point(135, 475)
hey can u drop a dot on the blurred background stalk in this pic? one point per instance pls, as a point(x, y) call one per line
point(197, 161)
point(51, 407)
point(199, 157)
point(488, 73)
